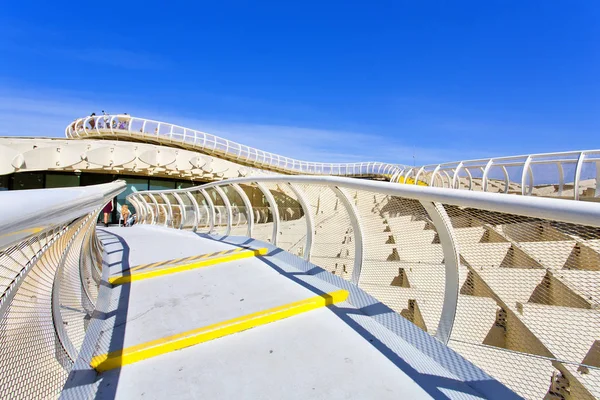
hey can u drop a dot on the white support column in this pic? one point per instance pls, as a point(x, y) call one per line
point(249, 210)
point(227, 208)
point(310, 223)
point(356, 228)
point(274, 210)
point(445, 231)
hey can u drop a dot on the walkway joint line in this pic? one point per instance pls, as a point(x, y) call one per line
point(133, 354)
point(233, 255)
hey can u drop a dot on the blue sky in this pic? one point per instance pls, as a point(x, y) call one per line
point(323, 81)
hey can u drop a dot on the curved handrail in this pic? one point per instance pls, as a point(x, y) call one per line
point(141, 128)
point(27, 212)
point(583, 213)
point(450, 174)
point(50, 275)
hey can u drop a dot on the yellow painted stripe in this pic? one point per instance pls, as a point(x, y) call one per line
point(121, 279)
point(130, 355)
point(180, 260)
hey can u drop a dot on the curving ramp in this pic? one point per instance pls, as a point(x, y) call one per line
point(238, 318)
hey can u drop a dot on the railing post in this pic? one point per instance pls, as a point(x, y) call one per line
point(597, 191)
point(274, 210)
point(157, 216)
point(524, 175)
point(182, 212)
point(227, 208)
point(578, 175)
point(310, 224)
point(196, 210)
point(169, 221)
point(358, 233)
point(445, 231)
point(149, 211)
point(456, 176)
point(434, 175)
point(561, 178)
point(506, 179)
point(211, 211)
point(486, 171)
point(139, 207)
point(249, 210)
point(418, 174)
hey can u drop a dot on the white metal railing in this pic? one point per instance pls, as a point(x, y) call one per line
point(572, 174)
point(125, 125)
point(50, 261)
point(565, 174)
point(440, 257)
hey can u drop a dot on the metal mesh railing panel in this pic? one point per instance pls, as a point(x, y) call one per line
point(531, 288)
point(239, 223)
point(403, 259)
point(38, 363)
point(333, 240)
point(292, 224)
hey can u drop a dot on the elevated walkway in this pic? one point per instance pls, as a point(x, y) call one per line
point(232, 317)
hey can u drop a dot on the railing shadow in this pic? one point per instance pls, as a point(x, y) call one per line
point(112, 304)
point(437, 386)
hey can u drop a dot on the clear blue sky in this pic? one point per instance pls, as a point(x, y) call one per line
point(338, 80)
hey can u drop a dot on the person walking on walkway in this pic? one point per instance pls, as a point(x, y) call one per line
point(125, 214)
point(107, 210)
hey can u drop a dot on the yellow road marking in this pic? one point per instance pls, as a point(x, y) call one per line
point(130, 355)
point(234, 255)
point(180, 260)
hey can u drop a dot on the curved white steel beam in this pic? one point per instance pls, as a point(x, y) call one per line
point(274, 210)
point(353, 215)
point(310, 223)
point(248, 205)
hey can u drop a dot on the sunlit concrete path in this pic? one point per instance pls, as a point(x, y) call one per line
point(193, 316)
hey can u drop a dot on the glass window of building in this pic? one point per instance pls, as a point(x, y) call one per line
point(28, 180)
point(97, 179)
point(61, 180)
point(133, 185)
point(185, 185)
point(4, 182)
point(156, 184)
